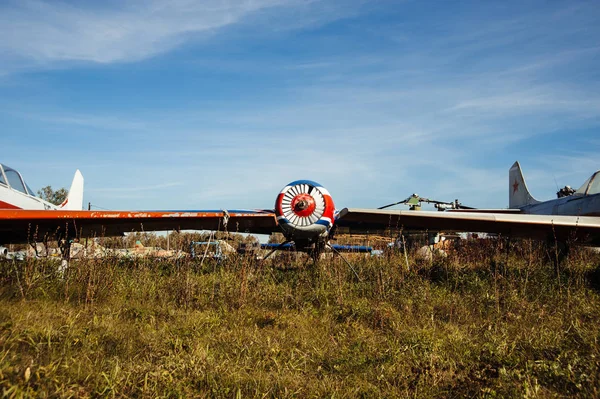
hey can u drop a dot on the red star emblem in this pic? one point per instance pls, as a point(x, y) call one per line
point(515, 187)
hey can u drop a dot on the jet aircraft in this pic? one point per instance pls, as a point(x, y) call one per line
point(582, 202)
point(304, 212)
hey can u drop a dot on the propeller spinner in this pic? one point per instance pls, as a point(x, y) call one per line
point(304, 210)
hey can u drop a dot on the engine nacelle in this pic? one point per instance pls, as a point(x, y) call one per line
point(3, 252)
point(304, 210)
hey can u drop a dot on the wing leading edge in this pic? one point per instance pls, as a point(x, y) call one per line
point(28, 225)
point(582, 228)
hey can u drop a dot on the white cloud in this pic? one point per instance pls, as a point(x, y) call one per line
point(39, 32)
point(136, 188)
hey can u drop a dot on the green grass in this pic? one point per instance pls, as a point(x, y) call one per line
point(484, 322)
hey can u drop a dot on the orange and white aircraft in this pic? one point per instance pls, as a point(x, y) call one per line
point(304, 212)
point(16, 194)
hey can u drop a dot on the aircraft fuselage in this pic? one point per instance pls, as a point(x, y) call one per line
point(16, 194)
point(574, 205)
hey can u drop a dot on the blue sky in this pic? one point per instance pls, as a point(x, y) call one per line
point(218, 104)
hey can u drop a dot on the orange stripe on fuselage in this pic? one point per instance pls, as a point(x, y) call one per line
point(6, 205)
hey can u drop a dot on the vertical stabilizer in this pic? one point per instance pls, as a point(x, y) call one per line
point(518, 193)
point(74, 201)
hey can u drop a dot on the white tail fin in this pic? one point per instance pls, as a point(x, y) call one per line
point(74, 201)
point(518, 193)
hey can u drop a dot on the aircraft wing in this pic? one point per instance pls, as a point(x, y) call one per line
point(582, 228)
point(481, 210)
point(30, 225)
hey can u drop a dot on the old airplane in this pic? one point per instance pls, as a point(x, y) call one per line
point(16, 194)
point(582, 202)
point(304, 212)
point(573, 216)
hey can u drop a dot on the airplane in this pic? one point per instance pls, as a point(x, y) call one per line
point(584, 201)
point(573, 216)
point(305, 213)
point(16, 194)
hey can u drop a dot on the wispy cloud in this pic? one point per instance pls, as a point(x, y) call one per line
point(136, 188)
point(40, 32)
point(80, 120)
point(529, 100)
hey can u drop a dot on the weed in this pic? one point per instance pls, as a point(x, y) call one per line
point(491, 319)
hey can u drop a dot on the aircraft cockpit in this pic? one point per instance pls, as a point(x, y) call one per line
point(13, 179)
point(591, 186)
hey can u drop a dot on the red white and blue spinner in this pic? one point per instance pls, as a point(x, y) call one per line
point(304, 209)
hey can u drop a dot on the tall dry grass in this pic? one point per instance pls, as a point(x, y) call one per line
point(492, 319)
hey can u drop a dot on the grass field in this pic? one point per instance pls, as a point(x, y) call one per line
point(487, 321)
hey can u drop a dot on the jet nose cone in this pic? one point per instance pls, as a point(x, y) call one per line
point(301, 205)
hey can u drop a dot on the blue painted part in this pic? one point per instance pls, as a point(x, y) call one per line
point(309, 182)
point(341, 248)
point(322, 222)
point(352, 248)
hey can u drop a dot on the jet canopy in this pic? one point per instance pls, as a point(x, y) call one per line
point(13, 179)
point(591, 185)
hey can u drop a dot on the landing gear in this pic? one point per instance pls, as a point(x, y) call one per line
point(280, 246)
point(313, 249)
point(316, 250)
point(338, 253)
